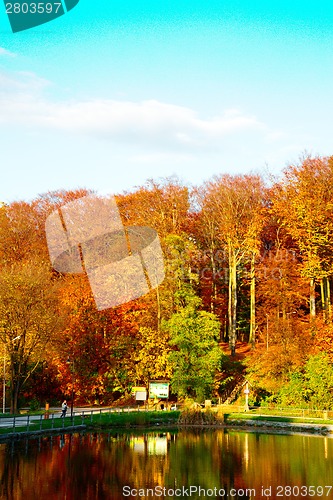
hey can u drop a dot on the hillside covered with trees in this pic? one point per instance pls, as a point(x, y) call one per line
point(245, 261)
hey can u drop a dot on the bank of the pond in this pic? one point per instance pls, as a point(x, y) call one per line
point(93, 422)
point(281, 427)
point(202, 419)
point(166, 420)
point(37, 433)
point(275, 423)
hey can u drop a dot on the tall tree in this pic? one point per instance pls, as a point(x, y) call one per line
point(161, 205)
point(304, 203)
point(236, 204)
point(30, 317)
point(212, 266)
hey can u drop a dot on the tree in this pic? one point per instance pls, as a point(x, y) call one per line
point(236, 203)
point(103, 344)
point(310, 386)
point(151, 358)
point(162, 206)
point(196, 356)
point(30, 317)
point(212, 261)
point(303, 202)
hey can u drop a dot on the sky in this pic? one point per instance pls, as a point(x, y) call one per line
point(114, 93)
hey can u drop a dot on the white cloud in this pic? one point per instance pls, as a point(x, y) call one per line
point(23, 102)
point(5, 52)
point(17, 90)
point(153, 122)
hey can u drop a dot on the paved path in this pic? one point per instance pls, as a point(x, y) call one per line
point(21, 421)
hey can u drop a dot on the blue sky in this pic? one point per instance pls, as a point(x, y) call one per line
point(116, 92)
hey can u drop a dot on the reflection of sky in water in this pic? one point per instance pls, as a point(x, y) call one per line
point(158, 445)
point(138, 444)
point(151, 445)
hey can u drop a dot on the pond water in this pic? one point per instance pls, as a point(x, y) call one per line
point(185, 464)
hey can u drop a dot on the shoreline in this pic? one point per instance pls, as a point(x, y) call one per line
point(248, 425)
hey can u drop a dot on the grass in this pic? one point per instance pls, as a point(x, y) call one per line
point(144, 419)
point(232, 417)
point(154, 419)
point(99, 421)
point(267, 418)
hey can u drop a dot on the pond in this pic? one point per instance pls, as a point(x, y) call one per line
point(184, 464)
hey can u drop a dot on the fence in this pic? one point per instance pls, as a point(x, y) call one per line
point(271, 411)
point(48, 420)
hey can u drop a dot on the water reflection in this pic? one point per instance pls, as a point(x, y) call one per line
point(150, 444)
point(195, 464)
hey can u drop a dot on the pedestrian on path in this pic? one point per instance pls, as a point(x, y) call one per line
point(64, 409)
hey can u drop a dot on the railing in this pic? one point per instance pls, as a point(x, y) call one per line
point(53, 420)
point(48, 420)
point(278, 412)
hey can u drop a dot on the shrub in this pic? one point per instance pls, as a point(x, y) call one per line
point(196, 416)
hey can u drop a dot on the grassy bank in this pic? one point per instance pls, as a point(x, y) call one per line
point(135, 419)
point(98, 420)
point(191, 417)
point(243, 417)
point(163, 420)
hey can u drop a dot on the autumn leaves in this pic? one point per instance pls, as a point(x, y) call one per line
point(256, 260)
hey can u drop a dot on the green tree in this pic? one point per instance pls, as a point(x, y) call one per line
point(311, 386)
point(197, 355)
point(318, 376)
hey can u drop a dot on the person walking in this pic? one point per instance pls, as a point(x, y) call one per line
point(64, 409)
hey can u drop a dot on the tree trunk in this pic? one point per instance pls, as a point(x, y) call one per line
point(158, 301)
point(326, 298)
point(323, 295)
point(232, 306)
point(252, 303)
point(213, 288)
point(312, 305)
point(14, 392)
point(225, 328)
point(329, 305)
point(312, 299)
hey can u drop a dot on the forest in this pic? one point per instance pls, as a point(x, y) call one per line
point(247, 261)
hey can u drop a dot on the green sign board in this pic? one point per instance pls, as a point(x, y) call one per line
point(159, 390)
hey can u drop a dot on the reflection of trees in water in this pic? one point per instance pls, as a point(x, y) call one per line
point(81, 466)
point(51, 467)
point(206, 459)
point(98, 466)
point(9, 462)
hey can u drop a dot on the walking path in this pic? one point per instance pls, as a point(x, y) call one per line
point(22, 420)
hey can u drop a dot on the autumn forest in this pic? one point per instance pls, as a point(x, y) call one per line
point(248, 261)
